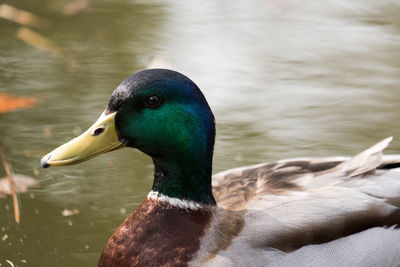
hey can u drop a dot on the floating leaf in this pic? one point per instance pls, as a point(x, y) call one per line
point(37, 40)
point(4, 238)
point(21, 182)
point(20, 16)
point(67, 212)
point(76, 7)
point(10, 102)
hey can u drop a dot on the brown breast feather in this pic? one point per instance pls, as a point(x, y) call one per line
point(156, 234)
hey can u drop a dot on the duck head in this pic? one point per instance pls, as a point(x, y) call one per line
point(163, 114)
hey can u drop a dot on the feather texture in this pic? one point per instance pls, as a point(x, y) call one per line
point(309, 212)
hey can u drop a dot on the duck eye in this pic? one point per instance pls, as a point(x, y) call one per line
point(153, 101)
point(98, 131)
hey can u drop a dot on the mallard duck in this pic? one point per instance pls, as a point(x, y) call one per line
point(299, 212)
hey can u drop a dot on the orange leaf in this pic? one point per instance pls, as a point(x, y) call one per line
point(10, 102)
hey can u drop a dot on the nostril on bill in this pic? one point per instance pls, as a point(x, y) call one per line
point(44, 160)
point(98, 131)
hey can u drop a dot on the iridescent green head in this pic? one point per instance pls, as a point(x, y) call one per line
point(163, 114)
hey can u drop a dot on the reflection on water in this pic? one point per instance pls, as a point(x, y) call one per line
point(284, 79)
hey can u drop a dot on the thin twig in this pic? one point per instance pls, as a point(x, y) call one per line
point(12, 187)
point(10, 262)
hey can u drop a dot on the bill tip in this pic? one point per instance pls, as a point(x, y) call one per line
point(44, 160)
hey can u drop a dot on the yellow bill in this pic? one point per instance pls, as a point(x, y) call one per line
point(100, 138)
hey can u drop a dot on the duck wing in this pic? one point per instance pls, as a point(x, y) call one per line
point(316, 205)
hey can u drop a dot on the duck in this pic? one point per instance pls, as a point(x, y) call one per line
point(334, 211)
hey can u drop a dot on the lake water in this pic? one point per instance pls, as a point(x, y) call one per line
point(284, 78)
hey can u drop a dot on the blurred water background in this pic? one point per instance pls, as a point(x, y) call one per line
point(285, 78)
